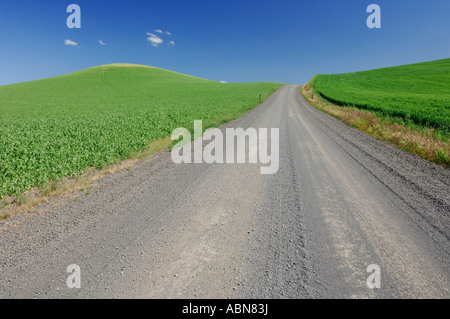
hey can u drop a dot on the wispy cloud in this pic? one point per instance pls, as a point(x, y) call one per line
point(70, 43)
point(101, 42)
point(154, 39)
point(163, 32)
point(157, 37)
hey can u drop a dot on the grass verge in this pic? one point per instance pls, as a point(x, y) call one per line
point(73, 187)
point(83, 184)
point(425, 142)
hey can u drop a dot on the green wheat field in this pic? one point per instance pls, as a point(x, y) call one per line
point(61, 126)
point(417, 93)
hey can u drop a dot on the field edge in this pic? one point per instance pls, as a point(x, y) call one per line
point(420, 141)
point(13, 205)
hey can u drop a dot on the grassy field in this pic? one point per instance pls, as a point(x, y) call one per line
point(417, 93)
point(60, 127)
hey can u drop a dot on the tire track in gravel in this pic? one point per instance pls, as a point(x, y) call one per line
point(342, 200)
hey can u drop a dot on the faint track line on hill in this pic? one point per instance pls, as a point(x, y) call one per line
point(108, 83)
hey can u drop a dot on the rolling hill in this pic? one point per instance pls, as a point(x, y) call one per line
point(62, 126)
point(417, 92)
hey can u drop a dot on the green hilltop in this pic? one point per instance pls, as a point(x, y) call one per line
point(62, 126)
point(416, 92)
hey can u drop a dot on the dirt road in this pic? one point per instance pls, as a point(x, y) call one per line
point(340, 202)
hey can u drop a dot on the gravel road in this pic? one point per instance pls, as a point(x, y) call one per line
point(341, 201)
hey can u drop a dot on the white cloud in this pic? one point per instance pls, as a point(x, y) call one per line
point(224, 82)
point(168, 33)
point(70, 43)
point(101, 42)
point(159, 31)
point(172, 43)
point(154, 39)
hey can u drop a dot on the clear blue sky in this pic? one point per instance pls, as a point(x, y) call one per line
point(231, 40)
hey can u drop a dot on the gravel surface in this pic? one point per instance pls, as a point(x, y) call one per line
point(341, 201)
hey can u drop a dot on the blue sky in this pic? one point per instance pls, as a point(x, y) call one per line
point(233, 40)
